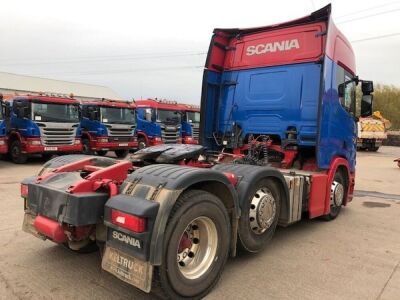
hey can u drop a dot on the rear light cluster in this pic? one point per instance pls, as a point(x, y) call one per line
point(127, 221)
point(24, 190)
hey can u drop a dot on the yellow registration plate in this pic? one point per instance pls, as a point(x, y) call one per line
point(127, 268)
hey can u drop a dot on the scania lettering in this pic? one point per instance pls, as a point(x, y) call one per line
point(108, 126)
point(43, 125)
point(158, 122)
point(126, 239)
point(273, 47)
point(277, 144)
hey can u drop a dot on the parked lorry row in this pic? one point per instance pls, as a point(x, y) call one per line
point(47, 125)
point(277, 144)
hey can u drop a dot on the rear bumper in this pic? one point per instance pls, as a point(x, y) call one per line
point(114, 145)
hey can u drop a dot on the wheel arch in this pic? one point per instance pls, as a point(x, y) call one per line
point(166, 183)
point(249, 174)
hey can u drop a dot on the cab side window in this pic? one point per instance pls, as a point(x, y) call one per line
point(348, 98)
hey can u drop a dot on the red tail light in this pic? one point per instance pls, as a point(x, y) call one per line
point(24, 190)
point(131, 222)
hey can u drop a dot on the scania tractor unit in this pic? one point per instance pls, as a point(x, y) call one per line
point(4, 111)
point(43, 124)
point(277, 144)
point(190, 124)
point(158, 122)
point(108, 126)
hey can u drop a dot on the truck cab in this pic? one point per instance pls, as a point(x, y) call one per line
point(158, 122)
point(108, 126)
point(43, 124)
point(190, 124)
point(4, 112)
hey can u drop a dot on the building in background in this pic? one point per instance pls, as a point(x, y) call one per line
point(22, 84)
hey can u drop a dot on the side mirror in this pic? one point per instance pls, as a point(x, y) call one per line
point(367, 87)
point(7, 109)
point(341, 90)
point(22, 112)
point(93, 115)
point(147, 115)
point(366, 105)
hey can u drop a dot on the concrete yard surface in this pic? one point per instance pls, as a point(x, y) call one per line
point(356, 256)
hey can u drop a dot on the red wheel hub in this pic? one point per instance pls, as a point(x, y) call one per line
point(185, 243)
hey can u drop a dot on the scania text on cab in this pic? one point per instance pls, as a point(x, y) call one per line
point(108, 126)
point(277, 144)
point(158, 122)
point(43, 125)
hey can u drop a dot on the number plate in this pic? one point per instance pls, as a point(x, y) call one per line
point(123, 145)
point(50, 148)
point(127, 268)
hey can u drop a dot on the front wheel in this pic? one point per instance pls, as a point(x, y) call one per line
point(16, 153)
point(338, 194)
point(121, 153)
point(86, 147)
point(196, 246)
point(142, 143)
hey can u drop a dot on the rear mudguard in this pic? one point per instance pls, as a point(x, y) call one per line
point(248, 175)
point(164, 184)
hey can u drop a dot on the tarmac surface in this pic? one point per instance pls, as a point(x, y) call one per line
point(356, 256)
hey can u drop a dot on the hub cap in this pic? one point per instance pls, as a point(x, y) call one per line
point(197, 248)
point(337, 193)
point(262, 211)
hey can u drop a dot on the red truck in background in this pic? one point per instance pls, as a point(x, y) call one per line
point(108, 126)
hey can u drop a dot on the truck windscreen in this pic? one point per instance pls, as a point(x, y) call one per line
point(52, 112)
point(168, 116)
point(193, 117)
point(117, 115)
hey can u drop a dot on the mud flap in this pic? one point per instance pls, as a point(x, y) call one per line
point(128, 268)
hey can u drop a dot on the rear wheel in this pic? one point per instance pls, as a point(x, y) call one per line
point(82, 247)
point(16, 153)
point(260, 214)
point(196, 246)
point(338, 194)
point(121, 153)
point(86, 147)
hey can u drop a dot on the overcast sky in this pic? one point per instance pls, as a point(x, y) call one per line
point(157, 48)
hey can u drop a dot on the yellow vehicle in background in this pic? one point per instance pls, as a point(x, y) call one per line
point(372, 131)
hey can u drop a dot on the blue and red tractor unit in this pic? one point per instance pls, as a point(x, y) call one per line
point(158, 122)
point(190, 123)
point(108, 125)
point(277, 144)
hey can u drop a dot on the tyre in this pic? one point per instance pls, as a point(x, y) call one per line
point(142, 143)
point(16, 153)
point(338, 194)
point(101, 152)
point(121, 153)
point(196, 247)
point(86, 147)
point(260, 215)
point(374, 148)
